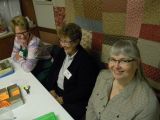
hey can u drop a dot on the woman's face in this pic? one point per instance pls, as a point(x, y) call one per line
point(21, 34)
point(69, 46)
point(122, 67)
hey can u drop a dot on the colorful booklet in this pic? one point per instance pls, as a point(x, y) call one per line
point(6, 68)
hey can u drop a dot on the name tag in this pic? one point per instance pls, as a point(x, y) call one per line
point(67, 74)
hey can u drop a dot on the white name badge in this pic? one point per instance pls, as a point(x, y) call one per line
point(67, 74)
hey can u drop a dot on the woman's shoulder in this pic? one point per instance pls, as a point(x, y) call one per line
point(148, 91)
point(85, 57)
point(104, 77)
point(82, 52)
point(146, 101)
point(35, 40)
point(145, 97)
point(145, 89)
point(106, 74)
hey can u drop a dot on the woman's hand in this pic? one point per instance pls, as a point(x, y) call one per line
point(18, 56)
point(53, 93)
point(58, 98)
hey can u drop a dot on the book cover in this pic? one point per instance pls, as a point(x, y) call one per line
point(6, 68)
point(48, 116)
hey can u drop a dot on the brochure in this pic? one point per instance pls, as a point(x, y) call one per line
point(6, 68)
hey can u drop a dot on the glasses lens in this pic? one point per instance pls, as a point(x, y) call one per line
point(21, 34)
point(122, 61)
point(67, 43)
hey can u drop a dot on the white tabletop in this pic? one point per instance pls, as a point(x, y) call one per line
point(38, 102)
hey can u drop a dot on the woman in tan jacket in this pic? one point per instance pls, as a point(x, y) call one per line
point(122, 93)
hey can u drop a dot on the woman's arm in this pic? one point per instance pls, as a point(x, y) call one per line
point(15, 51)
point(29, 63)
point(151, 110)
point(90, 113)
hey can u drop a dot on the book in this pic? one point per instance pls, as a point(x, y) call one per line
point(48, 116)
point(6, 68)
point(10, 98)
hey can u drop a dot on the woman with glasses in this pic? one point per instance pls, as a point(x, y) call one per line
point(122, 92)
point(73, 73)
point(28, 49)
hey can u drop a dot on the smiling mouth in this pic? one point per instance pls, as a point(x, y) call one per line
point(118, 72)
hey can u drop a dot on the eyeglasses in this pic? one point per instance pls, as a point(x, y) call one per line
point(66, 43)
point(121, 61)
point(19, 35)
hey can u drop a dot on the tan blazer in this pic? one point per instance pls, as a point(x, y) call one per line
point(137, 101)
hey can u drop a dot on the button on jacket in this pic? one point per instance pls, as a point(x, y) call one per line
point(136, 101)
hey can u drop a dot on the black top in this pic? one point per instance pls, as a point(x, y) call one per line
point(78, 88)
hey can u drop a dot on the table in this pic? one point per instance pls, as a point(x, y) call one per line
point(38, 102)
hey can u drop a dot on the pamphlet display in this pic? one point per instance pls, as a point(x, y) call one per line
point(10, 98)
point(6, 68)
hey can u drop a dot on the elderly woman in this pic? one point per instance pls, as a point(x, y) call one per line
point(122, 92)
point(73, 74)
point(28, 50)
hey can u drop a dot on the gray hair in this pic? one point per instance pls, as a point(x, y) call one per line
point(130, 49)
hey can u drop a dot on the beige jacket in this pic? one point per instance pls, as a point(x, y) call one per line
point(137, 101)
